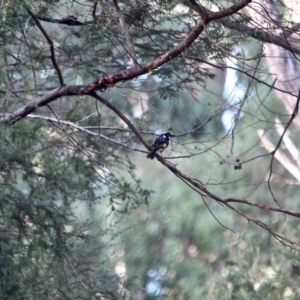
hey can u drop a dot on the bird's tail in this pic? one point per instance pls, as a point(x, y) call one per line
point(151, 155)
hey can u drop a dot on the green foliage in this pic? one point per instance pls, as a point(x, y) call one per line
point(40, 236)
point(79, 202)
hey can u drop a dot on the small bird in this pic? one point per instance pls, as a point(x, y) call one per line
point(160, 144)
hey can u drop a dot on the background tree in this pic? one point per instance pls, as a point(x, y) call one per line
point(85, 86)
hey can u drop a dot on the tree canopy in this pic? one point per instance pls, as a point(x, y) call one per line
point(85, 87)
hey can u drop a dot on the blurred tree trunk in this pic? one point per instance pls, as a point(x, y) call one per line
point(284, 70)
point(282, 63)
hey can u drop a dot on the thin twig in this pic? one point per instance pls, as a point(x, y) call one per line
point(82, 129)
point(125, 31)
point(293, 116)
point(202, 190)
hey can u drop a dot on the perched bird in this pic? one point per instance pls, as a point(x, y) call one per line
point(160, 144)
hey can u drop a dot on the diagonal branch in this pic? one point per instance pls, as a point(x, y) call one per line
point(121, 116)
point(95, 10)
point(293, 116)
point(82, 129)
point(50, 43)
point(279, 155)
point(33, 105)
point(255, 33)
point(289, 144)
point(201, 189)
point(110, 80)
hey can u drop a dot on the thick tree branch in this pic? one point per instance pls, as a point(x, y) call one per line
point(227, 11)
point(255, 33)
point(95, 10)
point(109, 80)
point(112, 79)
point(33, 105)
point(197, 186)
point(69, 20)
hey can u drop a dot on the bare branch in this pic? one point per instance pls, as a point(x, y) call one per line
point(282, 64)
point(29, 52)
point(288, 142)
point(255, 33)
point(263, 207)
point(223, 67)
point(279, 155)
point(50, 43)
point(125, 31)
point(94, 9)
point(33, 105)
point(82, 129)
point(201, 189)
point(293, 116)
point(121, 116)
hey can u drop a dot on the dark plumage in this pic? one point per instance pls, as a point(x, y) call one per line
point(160, 144)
